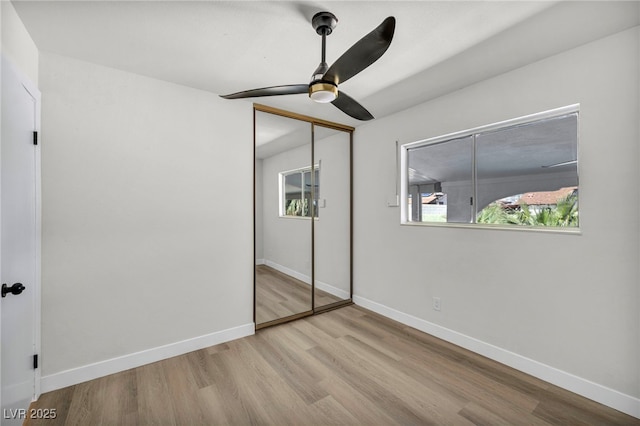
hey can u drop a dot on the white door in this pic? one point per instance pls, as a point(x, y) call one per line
point(20, 244)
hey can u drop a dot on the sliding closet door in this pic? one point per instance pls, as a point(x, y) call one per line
point(332, 227)
point(302, 215)
point(284, 179)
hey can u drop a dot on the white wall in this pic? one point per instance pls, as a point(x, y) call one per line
point(17, 44)
point(286, 240)
point(332, 265)
point(570, 302)
point(147, 235)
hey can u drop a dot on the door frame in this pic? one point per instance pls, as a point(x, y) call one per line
point(32, 89)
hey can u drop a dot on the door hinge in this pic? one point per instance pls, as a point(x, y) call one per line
point(35, 137)
point(35, 361)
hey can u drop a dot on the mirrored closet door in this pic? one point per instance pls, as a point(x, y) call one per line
point(332, 229)
point(283, 207)
point(302, 216)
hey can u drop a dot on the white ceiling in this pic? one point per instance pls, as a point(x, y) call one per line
point(224, 47)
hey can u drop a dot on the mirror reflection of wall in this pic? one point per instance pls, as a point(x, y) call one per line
point(332, 238)
point(302, 216)
point(283, 241)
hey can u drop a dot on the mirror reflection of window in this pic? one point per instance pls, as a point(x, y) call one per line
point(296, 193)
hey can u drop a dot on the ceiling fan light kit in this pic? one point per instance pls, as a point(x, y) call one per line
point(323, 87)
point(323, 92)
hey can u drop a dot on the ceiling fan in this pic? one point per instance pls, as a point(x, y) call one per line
point(323, 87)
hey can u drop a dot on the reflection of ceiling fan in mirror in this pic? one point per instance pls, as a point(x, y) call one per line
point(323, 87)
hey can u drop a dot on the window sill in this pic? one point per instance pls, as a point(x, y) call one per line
point(539, 229)
point(296, 217)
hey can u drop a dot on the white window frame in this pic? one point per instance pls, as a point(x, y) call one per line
point(282, 193)
point(404, 168)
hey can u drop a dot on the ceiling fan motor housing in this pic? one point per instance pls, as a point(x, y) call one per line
point(324, 22)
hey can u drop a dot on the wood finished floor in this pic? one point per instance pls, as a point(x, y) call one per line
point(347, 366)
point(279, 295)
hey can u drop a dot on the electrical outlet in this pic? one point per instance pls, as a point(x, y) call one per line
point(437, 305)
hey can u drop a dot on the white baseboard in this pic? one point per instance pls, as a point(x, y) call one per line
point(115, 365)
point(594, 391)
point(338, 292)
point(288, 271)
point(342, 294)
point(260, 262)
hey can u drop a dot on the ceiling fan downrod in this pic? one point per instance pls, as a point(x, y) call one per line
point(320, 90)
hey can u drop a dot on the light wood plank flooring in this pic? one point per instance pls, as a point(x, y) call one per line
point(347, 366)
point(279, 295)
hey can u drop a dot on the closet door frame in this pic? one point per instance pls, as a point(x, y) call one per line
point(314, 122)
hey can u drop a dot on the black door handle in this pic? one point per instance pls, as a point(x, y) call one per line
point(16, 289)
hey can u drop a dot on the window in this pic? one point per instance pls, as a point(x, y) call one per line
point(440, 176)
point(518, 173)
point(297, 189)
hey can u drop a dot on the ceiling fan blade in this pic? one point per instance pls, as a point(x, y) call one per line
point(350, 106)
point(362, 54)
point(291, 89)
